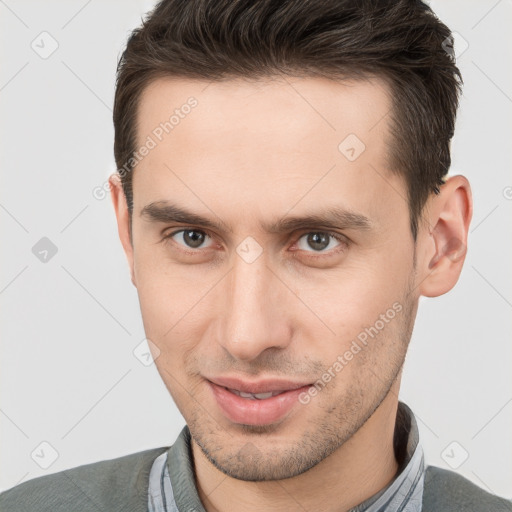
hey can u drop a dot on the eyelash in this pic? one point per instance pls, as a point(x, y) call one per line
point(340, 238)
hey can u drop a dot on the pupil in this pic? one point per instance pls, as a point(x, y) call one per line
point(318, 241)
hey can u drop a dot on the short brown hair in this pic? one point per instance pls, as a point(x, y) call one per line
point(401, 41)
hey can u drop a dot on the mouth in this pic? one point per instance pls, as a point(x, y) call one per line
point(257, 407)
point(255, 396)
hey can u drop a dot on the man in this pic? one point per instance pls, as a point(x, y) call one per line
point(283, 202)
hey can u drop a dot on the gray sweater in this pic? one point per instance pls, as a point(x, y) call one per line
point(122, 484)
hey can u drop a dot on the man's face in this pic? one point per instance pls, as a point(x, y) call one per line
point(236, 299)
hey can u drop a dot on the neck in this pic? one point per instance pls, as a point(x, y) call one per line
point(360, 468)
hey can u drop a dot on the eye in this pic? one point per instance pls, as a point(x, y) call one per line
point(319, 241)
point(312, 242)
point(189, 238)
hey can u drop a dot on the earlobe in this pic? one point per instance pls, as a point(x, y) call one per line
point(449, 217)
point(123, 220)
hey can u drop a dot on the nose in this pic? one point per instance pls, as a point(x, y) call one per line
point(254, 316)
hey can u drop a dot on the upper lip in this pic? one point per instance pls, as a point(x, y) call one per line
point(260, 386)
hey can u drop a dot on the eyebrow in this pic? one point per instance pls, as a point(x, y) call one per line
point(335, 217)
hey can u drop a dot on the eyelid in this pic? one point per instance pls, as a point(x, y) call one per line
point(325, 231)
point(344, 242)
point(169, 238)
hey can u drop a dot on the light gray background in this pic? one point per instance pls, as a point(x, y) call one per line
point(69, 376)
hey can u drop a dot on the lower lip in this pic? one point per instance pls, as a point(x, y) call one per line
point(249, 411)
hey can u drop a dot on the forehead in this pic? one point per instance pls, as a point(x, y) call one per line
point(273, 138)
point(287, 108)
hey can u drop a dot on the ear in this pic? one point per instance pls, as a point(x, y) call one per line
point(445, 233)
point(123, 219)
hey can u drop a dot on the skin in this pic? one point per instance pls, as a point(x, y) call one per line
point(252, 152)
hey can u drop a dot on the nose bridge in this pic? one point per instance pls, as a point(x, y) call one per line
point(252, 322)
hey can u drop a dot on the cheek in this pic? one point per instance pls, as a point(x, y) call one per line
point(173, 303)
point(352, 298)
point(165, 291)
point(157, 304)
point(362, 312)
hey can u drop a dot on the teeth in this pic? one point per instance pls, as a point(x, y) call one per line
point(262, 396)
point(246, 395)
point(255, 396)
